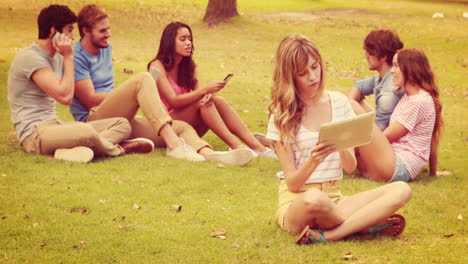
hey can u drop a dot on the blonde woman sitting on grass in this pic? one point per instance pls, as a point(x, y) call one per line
point(310, 199)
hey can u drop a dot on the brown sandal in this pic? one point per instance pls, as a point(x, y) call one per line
point(383, 229)
point(310, 239)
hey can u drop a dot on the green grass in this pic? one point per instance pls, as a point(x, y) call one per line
point(42, 200)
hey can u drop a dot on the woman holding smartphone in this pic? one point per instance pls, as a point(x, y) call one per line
point(193, 103)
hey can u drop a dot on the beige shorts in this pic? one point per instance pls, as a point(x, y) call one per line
point(285, 197)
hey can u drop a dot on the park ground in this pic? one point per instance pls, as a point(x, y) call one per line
point(154, 209)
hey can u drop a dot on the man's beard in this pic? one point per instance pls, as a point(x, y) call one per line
point(96, 43)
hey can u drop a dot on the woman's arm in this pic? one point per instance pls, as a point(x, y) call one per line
point(211, 87)
point(395, 131)
point(348, 160)
point(166, 90)
point(295, 178)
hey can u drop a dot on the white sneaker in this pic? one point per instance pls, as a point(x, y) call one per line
point(185, 152)
point(240, 156)
point(268, 153)
point(262, 139)
point(76, 154)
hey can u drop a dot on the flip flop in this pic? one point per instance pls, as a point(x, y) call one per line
point(383, 229)
point(310, 239)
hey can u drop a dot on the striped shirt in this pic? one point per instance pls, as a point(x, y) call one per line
point(417, 114)
point(330, 168)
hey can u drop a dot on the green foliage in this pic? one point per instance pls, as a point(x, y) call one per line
point(48, 207)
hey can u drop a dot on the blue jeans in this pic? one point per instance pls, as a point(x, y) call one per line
point(400, 173)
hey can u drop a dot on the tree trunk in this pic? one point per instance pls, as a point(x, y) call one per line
point(220, 10)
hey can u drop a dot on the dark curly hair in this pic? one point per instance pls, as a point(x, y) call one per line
point(56, 16)
point(383, 42)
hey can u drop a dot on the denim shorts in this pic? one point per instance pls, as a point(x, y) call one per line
point(400, 173)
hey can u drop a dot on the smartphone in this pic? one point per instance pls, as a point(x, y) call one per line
point(154, 72)
point(55, 36)
point(228, 77)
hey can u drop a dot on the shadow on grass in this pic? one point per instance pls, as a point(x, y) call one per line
point(369, 237)
point(463, 2)
point(423, 177)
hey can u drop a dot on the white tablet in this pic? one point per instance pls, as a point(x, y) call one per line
point(349, 133)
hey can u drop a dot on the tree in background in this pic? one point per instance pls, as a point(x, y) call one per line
point(220, 10)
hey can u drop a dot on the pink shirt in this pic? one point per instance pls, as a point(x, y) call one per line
point(417, 114)
point(177, 89)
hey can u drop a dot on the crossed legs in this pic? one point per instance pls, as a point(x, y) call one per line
point(101, 136)
point(354, 214)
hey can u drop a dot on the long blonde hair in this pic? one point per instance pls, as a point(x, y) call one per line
point(416, 70)
point(287, 105)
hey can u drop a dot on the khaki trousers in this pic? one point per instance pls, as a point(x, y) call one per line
point(140, 91)
point(101, 136)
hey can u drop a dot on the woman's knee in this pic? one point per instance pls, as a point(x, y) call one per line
point(316, 201)
point(402, 192)
point(405, 191)
point(202, 104)
point(219, 99)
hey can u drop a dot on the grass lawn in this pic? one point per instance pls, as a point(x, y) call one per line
point(121, 210)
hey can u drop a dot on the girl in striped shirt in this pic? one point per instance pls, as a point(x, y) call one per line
point(309, 194)
point(411, 140)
